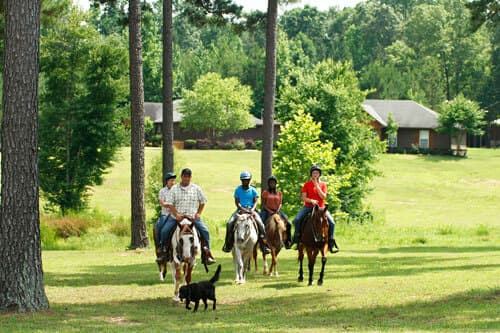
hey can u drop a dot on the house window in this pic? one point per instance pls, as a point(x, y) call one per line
point(423, 141)
point(392, 140)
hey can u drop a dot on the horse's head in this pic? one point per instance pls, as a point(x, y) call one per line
point(243, 226)
point(275, 223)
point(188, 244)
point(319, 222)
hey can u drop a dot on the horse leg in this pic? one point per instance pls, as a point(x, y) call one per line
point(188, 269)
point(264, 259)
point(323, 262)
point(301, 259)
point(255, 258)
point(237, 263)
point(311, 256)
point(274, 265)
point(176, 276)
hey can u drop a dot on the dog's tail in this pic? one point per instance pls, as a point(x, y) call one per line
point(215, 278)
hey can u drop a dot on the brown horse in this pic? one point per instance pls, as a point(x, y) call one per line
point(276, 236)
point(314, 240)
point(161, 258)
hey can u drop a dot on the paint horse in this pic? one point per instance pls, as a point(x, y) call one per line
point(185, 247)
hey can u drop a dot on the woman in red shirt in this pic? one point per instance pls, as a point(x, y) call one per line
point(314, 193)
point(272, 200)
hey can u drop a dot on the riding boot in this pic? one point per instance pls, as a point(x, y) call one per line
point(263, 244)
point(332, 245)
point(228, 242)
point(288, 242)
point(208, 255)
point(262, 239)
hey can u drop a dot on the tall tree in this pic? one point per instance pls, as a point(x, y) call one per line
point(269, 91)
point(139, 232)
point(168, 89)
point(21, 274)
point(84, 86)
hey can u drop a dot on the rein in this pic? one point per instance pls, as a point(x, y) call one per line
point(317, 237)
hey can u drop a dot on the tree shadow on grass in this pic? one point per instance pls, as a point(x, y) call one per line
point(316, 311)
point(438, 249)
point(376, 264)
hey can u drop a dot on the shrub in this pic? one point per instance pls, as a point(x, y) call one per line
point(120, 228)
point(203, 144)
point(249, 144)
point(69, 225)
point(189, 144)
point(258, 144)
point(238, 144)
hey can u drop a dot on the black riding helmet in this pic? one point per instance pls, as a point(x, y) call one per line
point(168, 175)
point(271, 178)
point(314, 168)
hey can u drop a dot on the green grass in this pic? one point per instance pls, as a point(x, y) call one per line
point(446, 289)
point(429, 262)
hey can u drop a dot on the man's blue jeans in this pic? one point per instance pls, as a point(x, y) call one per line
point(171, 222)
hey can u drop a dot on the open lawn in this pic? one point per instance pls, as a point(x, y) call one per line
point(429, 262)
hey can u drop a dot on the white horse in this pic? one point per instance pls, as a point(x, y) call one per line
point(245, 238)
point(185, 248)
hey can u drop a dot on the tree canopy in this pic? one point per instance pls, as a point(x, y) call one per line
point(217, 106)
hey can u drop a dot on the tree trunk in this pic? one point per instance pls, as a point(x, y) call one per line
point(269, 92)
point(21, 274)
point(168, 88)
point(138, 228)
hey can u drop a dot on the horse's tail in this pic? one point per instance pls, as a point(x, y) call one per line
point(215, 278)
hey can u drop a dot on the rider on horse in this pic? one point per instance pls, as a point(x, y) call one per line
point(272, 200)
point(314, 193)
point(161, 232)
point(245, 199)
point(188, 200)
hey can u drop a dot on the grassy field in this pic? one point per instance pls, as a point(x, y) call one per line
point(429, 262)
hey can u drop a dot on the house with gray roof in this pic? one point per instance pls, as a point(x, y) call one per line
point(155, 112)
point(416, 124)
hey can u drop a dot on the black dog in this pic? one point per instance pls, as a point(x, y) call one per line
point(202, 290)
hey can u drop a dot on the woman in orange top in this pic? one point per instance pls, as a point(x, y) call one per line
point(272, 200)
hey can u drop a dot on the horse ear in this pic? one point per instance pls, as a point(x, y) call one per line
point(326, 207)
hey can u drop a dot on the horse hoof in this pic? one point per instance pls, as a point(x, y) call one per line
point(320, 282)
point(310, 284)
point(176, 299)
point(301, 279)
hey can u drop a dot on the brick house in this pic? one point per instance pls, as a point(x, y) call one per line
point(416, 124)
point(155, 112)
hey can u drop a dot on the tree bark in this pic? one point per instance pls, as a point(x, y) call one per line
point(269, 92)
point(168, 88)
point(138, 228)
point(21, 274)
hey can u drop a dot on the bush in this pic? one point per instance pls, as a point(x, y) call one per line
point(258, 144)
point(249, 144)
point(203, 144)
point(69, 225)
point(189, 144)
point(238, 144)
point(154, 140)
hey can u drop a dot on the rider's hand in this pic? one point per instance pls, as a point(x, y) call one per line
point(179, 217)
point(314, 202)
point(197, 216)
